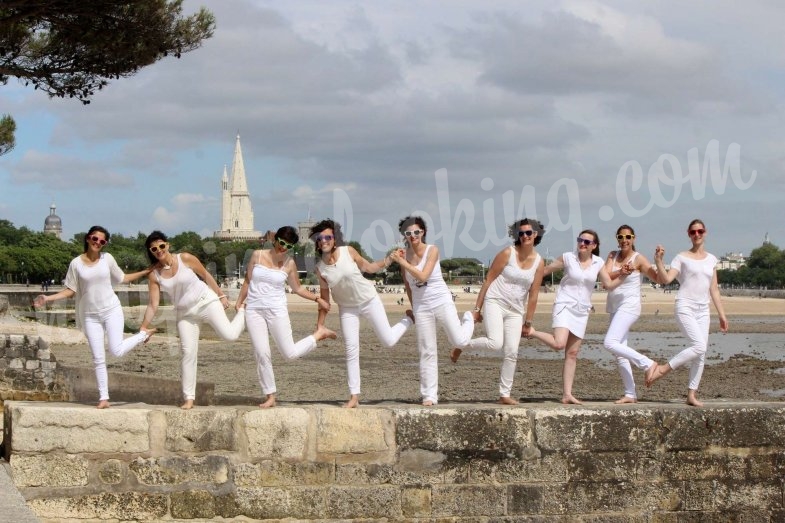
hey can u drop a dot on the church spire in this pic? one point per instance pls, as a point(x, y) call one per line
point(239, 185)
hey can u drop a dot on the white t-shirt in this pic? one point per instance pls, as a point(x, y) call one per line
point(694, 277)
point(578, 283)
point(93, 285)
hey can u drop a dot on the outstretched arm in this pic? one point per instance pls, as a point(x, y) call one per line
point(714, 292)
point(42, 299)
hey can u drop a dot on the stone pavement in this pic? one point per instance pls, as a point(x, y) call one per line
point(12, 507)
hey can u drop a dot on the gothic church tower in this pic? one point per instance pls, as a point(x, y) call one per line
point(236, 210)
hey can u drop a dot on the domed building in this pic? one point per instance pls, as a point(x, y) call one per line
point(53, 224)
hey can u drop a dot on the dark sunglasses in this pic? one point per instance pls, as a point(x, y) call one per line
point(583, 241)
point(693, 232)
point(96, 239)
point(415, 232)
point(525, 233)
point(419, 284)
point(325, 238)
point(160, 247)
point(283, 243)
point(621, 237)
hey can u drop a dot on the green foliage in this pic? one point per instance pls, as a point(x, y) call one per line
point(7, 130)
point(765, 268)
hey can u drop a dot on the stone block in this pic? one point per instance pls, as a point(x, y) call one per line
point(525, 499)
point(279, 473)
point(49, 470)
point(548, 468)
point(200, 430)
point(111, 472)
point(492, 433)
point(588, 497)
point(694, 465)
point(354, 431)
point(277, 503)
point(379, 474)
point(193, 504)
point(468, 500)
point(126, 506)
point(16, 340)
point(43, 354)
point(601, 466)
point(32, 364)
point(175, 470)
point(16, 363)
point(279, 433)
point(39, 427)
point(734, 495)
point(363, 502)
point(573, 429)
point(416, 502)
point(691, 429)
point(42, 344)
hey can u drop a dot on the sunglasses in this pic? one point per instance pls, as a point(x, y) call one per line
point(621, 237)
point(525, 233)
point(693, 232)
point(96, 239)
point(283, 243)
point(415, 232)
point(325, 238)
point(420, 284)
point(584, 241)
point(160, 247)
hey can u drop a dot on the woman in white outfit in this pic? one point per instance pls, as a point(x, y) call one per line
point(432, 302)
point(696, 271)
point(196, 298)
point(263, 296)
point(509, 294)
point(624, 306)
point(98, 311)
point(573, 303)
point(340, 269)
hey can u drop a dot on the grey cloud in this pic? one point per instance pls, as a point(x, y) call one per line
point(60, 172)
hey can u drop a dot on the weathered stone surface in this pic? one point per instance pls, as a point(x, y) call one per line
point(468, 500)
point(124, 506)
point(525, 499)
point(278, 473)
point(280, 433)
point(44, 428)
point(586, 497)
point(111, 472)
point(212, 470)
point(601, 466)
point(419, 460)
point(416, 502)
point(465, 433)
point(200, 430)
point(378, 474)
point(275, 502)
point(343, 431)
point(193, 504)
point(571, 429)
point(691, 429)
point(363, 502)
point(550, 467)
point(49, 470)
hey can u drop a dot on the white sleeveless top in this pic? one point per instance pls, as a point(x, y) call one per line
point(577, 284)
point(347, 284)
point(627, 296)
point(431, 293)
point(266, 289)
point(511, 287)
point(184, 288)
point(93, 285)
point(694, 277)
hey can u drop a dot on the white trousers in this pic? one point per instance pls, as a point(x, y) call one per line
point(388, 335)
point(459, 333)
point(502, 332)
point(616, 343)
point(210, 311)
point(693, 320)
point(110, 323)
point(263, 323)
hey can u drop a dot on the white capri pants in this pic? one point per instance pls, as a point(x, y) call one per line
point(616, 343)
point(111, 323)
point(388, 335)
point(263, 323)
point(208, 310)
point(502, 332)
point(693, 320)
point(459, 333)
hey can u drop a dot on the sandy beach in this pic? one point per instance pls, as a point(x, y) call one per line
point(393, 374)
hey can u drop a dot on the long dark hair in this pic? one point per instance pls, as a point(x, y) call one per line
point(408, 221)
point(323, 225)
point(154, 237)
point(94, 229)
point(536, 226)
point(632, 231)
point(596, 250)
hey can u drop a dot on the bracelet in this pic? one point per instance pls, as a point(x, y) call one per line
point(477, 309)
point(222, 296)
point(527, 323)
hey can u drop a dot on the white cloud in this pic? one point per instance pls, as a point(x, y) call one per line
point(62, 172)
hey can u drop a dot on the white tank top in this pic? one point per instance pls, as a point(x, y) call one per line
point(627, 296)
point(511, 287)
point(694, 277)
point(347, 284)
point(578, 283)
point(431, 293)
point(184, 288)
point(266, 289)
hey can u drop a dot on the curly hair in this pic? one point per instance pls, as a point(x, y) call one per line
point(323, 225)
point(536, 226)
point(408, 221)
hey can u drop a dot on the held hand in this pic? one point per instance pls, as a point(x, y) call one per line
point(659, 252)
point(526, 331)
point(324, 305)
point(39, 301)
point(627, 269)
point(477, 315)
point(225, 302)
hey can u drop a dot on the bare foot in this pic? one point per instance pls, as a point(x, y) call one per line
point(571, 400)
point(427, 403)
point(506, 400)
point(661, 371)
point(455, 354)
point(189, 404)
point(650, 373)
point(625, 399)
point(353, 402)
point(103, 404)
point(410, 314)
point(323, 332)
point(148, 333)
point(269, 402)
point(693, 400)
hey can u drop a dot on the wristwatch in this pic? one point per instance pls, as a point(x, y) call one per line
point(527, 323)
point(476, 309)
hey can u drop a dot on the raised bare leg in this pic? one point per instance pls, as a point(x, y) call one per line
point(659, 372)
point(455, 354)
point(323, 332)
point(148, 333)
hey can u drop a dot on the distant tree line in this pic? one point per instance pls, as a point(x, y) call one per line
point(765, 267)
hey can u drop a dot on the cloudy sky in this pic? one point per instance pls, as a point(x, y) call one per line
point(582, 114)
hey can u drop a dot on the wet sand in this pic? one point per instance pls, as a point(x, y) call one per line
point(393, 374)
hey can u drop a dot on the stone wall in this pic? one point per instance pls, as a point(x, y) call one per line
point(479, 463)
